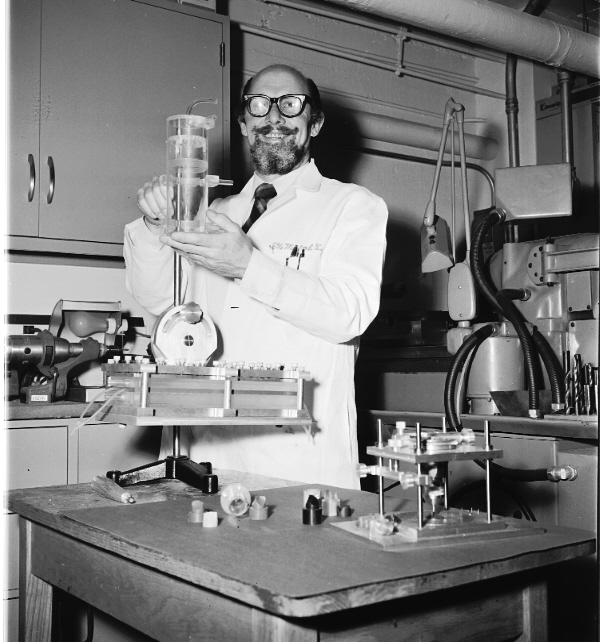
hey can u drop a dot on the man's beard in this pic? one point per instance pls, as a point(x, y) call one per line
point(276, 158)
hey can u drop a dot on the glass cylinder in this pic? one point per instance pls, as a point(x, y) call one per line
point(187, 171)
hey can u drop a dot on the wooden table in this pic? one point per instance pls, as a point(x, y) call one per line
point(275, 580)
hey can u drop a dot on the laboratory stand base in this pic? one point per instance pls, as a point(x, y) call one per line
point(199, 476)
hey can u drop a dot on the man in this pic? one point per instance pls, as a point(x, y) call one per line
point(300, 287)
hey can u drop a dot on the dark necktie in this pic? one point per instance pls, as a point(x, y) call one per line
point(263, 194)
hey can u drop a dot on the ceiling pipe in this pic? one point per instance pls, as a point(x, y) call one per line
point(565, 79)
point(512, 103)
point(495, 26)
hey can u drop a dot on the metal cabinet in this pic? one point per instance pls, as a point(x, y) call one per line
point(57, 452)
point(92, 83)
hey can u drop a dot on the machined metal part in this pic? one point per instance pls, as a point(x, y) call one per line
point(150, 392)
point(52, 357)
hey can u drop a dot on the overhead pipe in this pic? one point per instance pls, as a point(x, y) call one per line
point(512, 103)
point(395, 30)
point(565, 79)
point(494, 26)
point(403, 132)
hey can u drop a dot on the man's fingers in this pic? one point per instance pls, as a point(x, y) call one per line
point(158, 193)
point(156, 222)
point(222, 221)
point(143, 205)
point(150, 200)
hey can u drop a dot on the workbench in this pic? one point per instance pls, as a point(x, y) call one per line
point(275, 580)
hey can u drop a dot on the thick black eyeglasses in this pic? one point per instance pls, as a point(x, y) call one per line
point(289, 105)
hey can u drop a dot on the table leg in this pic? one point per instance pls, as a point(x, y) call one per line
point(535, 611)
point(35, 595)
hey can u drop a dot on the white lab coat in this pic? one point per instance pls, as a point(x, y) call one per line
point(308, 311)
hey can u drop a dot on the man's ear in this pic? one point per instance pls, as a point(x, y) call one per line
point(243, 128)
point(315, 128)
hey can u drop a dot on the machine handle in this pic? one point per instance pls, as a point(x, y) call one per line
point(52, 180)
point(31, 191)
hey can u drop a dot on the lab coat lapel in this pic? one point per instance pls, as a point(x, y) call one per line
point(243, 203)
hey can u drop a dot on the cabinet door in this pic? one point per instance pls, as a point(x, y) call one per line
point(36, 457)
point(104, 447)
point(24, 111)
point(112, 72)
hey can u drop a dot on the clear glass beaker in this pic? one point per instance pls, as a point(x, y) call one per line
point(187, 171)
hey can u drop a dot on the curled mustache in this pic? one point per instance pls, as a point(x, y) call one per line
point(267, 129)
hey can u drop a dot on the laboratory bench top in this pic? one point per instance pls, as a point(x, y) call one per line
point(559, 426)
point(277, 579)
point(15, 410)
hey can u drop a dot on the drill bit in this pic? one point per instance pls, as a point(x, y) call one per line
point(578, 384)
point(568, 382)
point(591, 384)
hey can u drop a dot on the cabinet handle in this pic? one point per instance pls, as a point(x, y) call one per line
point(51, 188)
point(31, 191)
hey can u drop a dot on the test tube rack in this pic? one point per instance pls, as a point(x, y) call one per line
point(161, 394)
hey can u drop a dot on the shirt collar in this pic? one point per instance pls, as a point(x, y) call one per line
point(303, 176)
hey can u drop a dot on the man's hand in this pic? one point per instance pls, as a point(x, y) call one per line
point(152, 200)
point(226, 251)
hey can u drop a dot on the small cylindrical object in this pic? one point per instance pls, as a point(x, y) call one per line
point(196, 515)
point(258, 509)
point(418, 437)
point(300, 394)
point(419, 498)
point(144, 390)
point(330, 504)
point(227, 394)
point(210, 519)
point(312, 513)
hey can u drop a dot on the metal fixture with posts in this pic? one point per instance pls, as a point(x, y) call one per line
point(430, 450)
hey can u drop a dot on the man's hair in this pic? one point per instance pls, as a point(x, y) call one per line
point(316, 112)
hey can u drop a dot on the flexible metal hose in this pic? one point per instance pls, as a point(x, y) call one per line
point(470, 343)
point(452, 416)
point(507, 309)
point(516, 474)
point(553, 368)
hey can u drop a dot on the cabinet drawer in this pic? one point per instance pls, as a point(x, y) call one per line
point(36, 456)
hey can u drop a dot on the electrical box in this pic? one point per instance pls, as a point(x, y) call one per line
point(586, 136)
